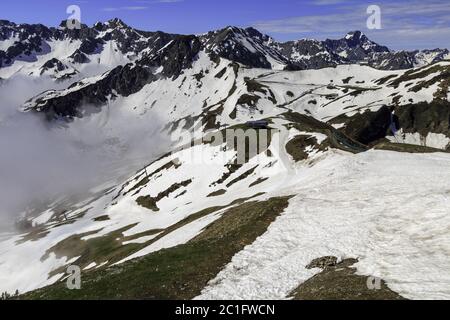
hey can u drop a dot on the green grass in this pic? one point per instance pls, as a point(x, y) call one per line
point(180, 272)
point(231, 169)
point(221, 73)
point(243, 176)
point(150, 203)
point(102, 218)
point(259, 181)
point(107, 248)
point(407, 148)
point(143, 182)
point(340, 282)
point(297, 146)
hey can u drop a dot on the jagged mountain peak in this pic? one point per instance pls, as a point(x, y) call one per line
point(247, 46)
point(111, 23)
point(357, 38)
point(116, 22)
point(63, 24)
point(231, 31)
point(249, 31)
point(356, 35)
point(5, 22)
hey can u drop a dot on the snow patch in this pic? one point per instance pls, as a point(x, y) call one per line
point(387, 209)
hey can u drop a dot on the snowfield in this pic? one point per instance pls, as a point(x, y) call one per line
point(389, 210)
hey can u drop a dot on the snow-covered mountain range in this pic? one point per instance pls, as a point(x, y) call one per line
point(114, 42)
point(348, 179)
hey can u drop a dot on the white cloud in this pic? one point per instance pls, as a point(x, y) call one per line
point(158, 1)
point(328, 2)
point(409, 25)
point(141, 7)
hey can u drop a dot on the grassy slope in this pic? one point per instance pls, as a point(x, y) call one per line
point(180, 272)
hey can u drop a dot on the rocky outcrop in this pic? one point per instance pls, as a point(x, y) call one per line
point(176, 56)
point(425, 118)
point(123, 80)
point(32, 40)
point(53, 64)
point(340, 281)
point(91, 46)
point(246, 46)
point(369, 127)
point(79, 57)
point(308, 54)
point(392, 60)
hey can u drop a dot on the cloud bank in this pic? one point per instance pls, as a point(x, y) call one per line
point(40, 160)
point(405, 24)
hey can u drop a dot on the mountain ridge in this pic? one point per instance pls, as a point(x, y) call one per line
point(250, 46)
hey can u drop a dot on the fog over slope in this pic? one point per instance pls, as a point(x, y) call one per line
point(40, 160)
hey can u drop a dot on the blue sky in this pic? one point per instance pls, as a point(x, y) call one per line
point(406, 24)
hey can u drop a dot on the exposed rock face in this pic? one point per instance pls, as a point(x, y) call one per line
point(424, 118)
point(53, 63)
point(323, 263)
point(79, 57)
point(176, 56)
point(406, 59)
point(309, 54)
point(354, 48)
point(357, 45)
point(433, 56)
point(401, 60)
point(369, 127)
point(246, 46)
point(57, 70)
point(392, 60)
point(91, 45)
point(339, 281)
point(31, 40)
point(123, 80)
point(172, 54)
